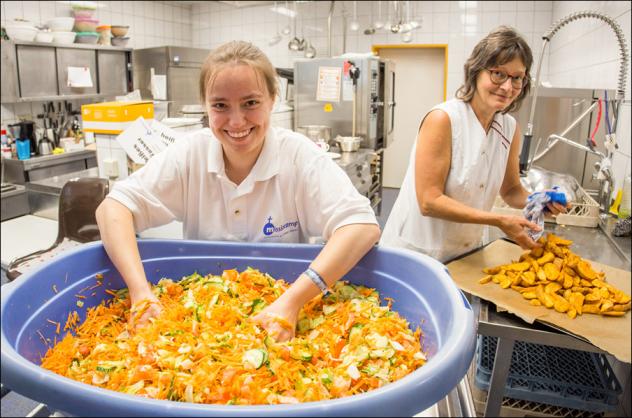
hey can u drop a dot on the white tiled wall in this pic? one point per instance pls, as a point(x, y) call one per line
point(443, 22)
point(597, 66)
point(581, 54)
point(152, 23)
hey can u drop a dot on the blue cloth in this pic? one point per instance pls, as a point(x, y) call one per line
point(536, 207)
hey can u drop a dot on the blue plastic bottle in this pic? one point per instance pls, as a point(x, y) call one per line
point(23, 149)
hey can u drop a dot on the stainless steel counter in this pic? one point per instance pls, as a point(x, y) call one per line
point(43, 194)
point(590, 243)
point(42, 167)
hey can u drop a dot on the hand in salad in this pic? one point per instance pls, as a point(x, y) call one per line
point(143, 310)
point(279, 319)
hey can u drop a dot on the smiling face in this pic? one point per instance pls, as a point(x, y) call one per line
point(498, 97)
point(239, 108)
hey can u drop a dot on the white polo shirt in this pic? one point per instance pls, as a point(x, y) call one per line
point(294, 192)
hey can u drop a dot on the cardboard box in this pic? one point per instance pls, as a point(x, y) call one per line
point(114, 117)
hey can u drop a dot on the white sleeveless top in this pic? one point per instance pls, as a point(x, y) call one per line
point(477, 170)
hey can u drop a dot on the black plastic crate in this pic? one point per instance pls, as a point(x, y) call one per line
point(552, 375)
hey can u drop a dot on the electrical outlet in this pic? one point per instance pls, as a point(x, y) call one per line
point(110, 167)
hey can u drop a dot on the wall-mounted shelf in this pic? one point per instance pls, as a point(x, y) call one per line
point(36, 71)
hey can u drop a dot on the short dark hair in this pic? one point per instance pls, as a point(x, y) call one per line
point(500, 46)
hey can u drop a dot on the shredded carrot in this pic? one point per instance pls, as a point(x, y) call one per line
point(80, 296)
point(204, 348)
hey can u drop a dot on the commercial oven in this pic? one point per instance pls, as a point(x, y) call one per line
point(335, 91)
point(180, 65)
point(324, 90)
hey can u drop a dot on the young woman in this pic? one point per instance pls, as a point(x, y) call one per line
point(242, 180)
point(467, 153)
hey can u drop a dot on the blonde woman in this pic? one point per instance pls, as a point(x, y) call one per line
point(466, 154)
point(242, 180)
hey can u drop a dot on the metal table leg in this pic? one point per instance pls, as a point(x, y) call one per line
point(500, 370)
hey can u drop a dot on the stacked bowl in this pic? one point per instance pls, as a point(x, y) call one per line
point(21, 30)
point(61, 28)
point(118, 35)
point(85, 25)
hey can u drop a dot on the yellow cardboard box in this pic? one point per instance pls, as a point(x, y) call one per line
point(114, 117)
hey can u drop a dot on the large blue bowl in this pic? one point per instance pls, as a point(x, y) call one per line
point(421, 287)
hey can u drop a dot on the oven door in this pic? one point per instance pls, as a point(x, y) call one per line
point(389, 102)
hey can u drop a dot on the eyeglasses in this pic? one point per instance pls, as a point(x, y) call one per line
point(499, 77)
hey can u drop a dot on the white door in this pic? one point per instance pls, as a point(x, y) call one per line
point(419, 85)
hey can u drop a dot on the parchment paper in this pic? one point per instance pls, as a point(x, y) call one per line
point(611, 334)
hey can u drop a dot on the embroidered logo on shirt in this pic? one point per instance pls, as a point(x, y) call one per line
point(270, 230)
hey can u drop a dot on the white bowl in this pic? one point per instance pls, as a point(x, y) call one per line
point(21, 22)
point(64, 37)
point(46, 37)
point(61, 24)
point(21, 33)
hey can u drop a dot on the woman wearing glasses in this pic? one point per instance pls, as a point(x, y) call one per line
point(466, 154)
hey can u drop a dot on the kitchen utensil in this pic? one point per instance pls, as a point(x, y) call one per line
point(295, 43)
point(379, 23)
point(371, 29)
point(301, 43)
point(61, 24)
point(44, 36)
point(64, 37)
point(45, 146)
point(286, 29)
point(119, 31)
point(310, 51)
point(119, 41)
point(277, 37)
point(89, 38)
point(316, 132)
point(354, 25)
point(349, 143)
point(323, 145)
point(85, 25)
point(21, 33)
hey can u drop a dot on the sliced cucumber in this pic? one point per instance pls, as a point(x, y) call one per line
point(355, 331)
point(329, 309)
point(258, 305)
point(303, 325)
point(255, 357)
point(348, 292)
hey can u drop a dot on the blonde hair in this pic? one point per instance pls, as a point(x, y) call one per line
point(235, 53)
point(500, 46)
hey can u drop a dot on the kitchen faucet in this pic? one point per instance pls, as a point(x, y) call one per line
point(603, 167)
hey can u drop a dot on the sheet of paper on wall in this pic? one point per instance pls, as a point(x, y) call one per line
point(328, 87)
point(158, 85)
point(79, 77)
point(140, 142)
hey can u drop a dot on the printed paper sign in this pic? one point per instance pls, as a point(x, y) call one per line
point(328, 89)
point(140, 142)
point(79, 77)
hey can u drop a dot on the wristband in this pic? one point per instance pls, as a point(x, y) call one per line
point(318, 281)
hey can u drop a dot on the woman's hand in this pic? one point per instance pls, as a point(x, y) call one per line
point(514, 228)
point(143, 309)
point(279, 319)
